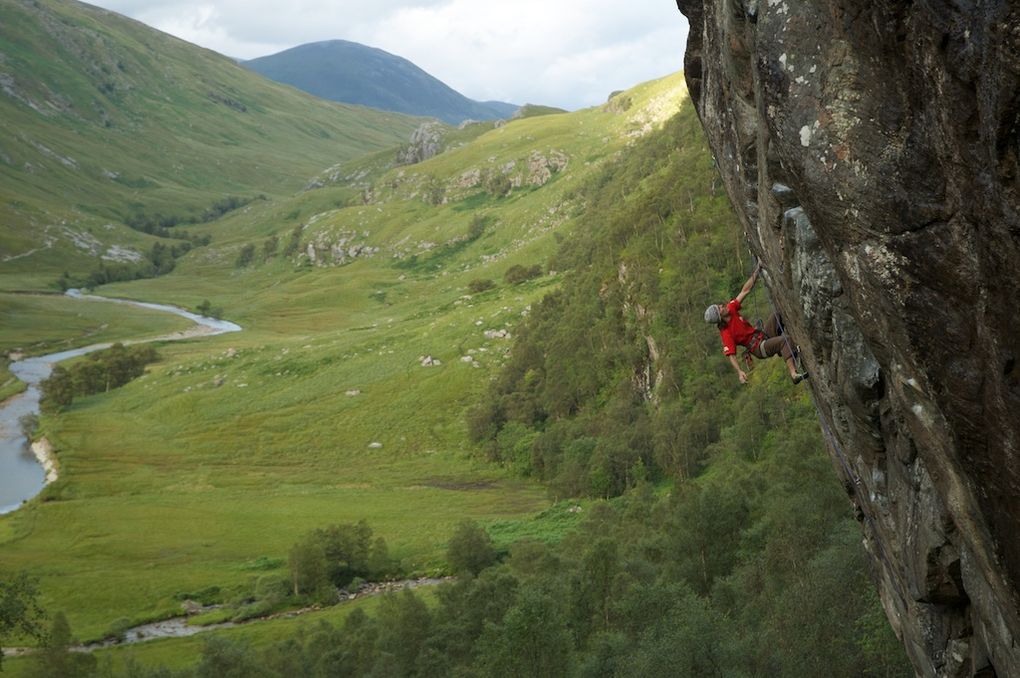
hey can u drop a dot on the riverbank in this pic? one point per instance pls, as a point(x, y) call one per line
point(25, 469)
point(35, 325)
point(43, 451)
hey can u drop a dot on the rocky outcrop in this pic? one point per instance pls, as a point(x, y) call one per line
point(337, 249)
point(871, 151)
point(426, 143)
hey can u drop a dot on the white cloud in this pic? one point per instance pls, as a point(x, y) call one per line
point(565, 53)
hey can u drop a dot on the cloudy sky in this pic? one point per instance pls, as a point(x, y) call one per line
point(568, 53)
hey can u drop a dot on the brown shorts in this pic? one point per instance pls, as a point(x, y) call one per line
point(774, 343)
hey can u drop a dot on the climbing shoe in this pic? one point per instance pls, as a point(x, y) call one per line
point(800, 376)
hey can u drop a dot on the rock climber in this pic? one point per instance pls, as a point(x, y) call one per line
point(763, 343)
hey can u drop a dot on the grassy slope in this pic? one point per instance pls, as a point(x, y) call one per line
point(35, 324)
point(173, 484)
point(101, 117)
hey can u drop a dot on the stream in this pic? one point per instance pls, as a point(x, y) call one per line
point(22, 475)
point(179, 627)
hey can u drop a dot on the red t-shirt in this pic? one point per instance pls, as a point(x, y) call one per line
point(737, 330)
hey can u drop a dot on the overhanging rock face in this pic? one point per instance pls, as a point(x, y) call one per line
point(871, 150)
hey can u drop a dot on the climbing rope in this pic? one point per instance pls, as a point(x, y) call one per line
point(754, 296)
point(759, 324)
point(779, 325)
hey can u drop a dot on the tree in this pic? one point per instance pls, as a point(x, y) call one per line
point(347, 548)
point(470, 549)
point(335, 556)
point(466, 606)
point(89, 376)
point(56, 657)
point(57, 390)
point(404, 625)
point(705, 531)
point(222, 658)
point(532, 640)
point(19, 608)
point(379, 562)
point(433, 192)
point(689, 639)
point(307, 566)
point(102, 371)
point(207, 310)
point(593, 586)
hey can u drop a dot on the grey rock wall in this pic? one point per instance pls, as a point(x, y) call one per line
point(871, 150)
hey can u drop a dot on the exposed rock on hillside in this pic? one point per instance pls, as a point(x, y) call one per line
point(541, 168)
point(426, 143)
point(871, 150)
point(336, 249)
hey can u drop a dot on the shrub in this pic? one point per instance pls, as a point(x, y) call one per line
point(477, 228)
point(207, 310)
point(28, 423)
point(294, 243)
point(246, 256)
point(517, 274)
point(480, 285)
point(498, 184)
point(270, 246)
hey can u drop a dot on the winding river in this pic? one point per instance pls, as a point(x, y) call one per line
point(22, 475)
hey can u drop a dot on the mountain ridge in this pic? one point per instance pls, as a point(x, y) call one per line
point(104, 119)
point(349, 72)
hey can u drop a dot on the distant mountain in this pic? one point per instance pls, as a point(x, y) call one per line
point(355, 74)
point(104, 120)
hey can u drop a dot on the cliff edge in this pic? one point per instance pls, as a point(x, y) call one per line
point(871, 151)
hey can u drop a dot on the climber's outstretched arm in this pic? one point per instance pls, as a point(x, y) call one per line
point(749, 285)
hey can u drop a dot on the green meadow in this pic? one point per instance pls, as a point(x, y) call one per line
point(320, 411)
point(35, 324)
point(174, 483)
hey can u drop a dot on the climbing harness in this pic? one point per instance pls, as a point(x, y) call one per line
point(752, 346)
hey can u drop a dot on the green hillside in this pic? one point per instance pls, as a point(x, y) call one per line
point(508, 332)
point(173, 483)
point(103, 119)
